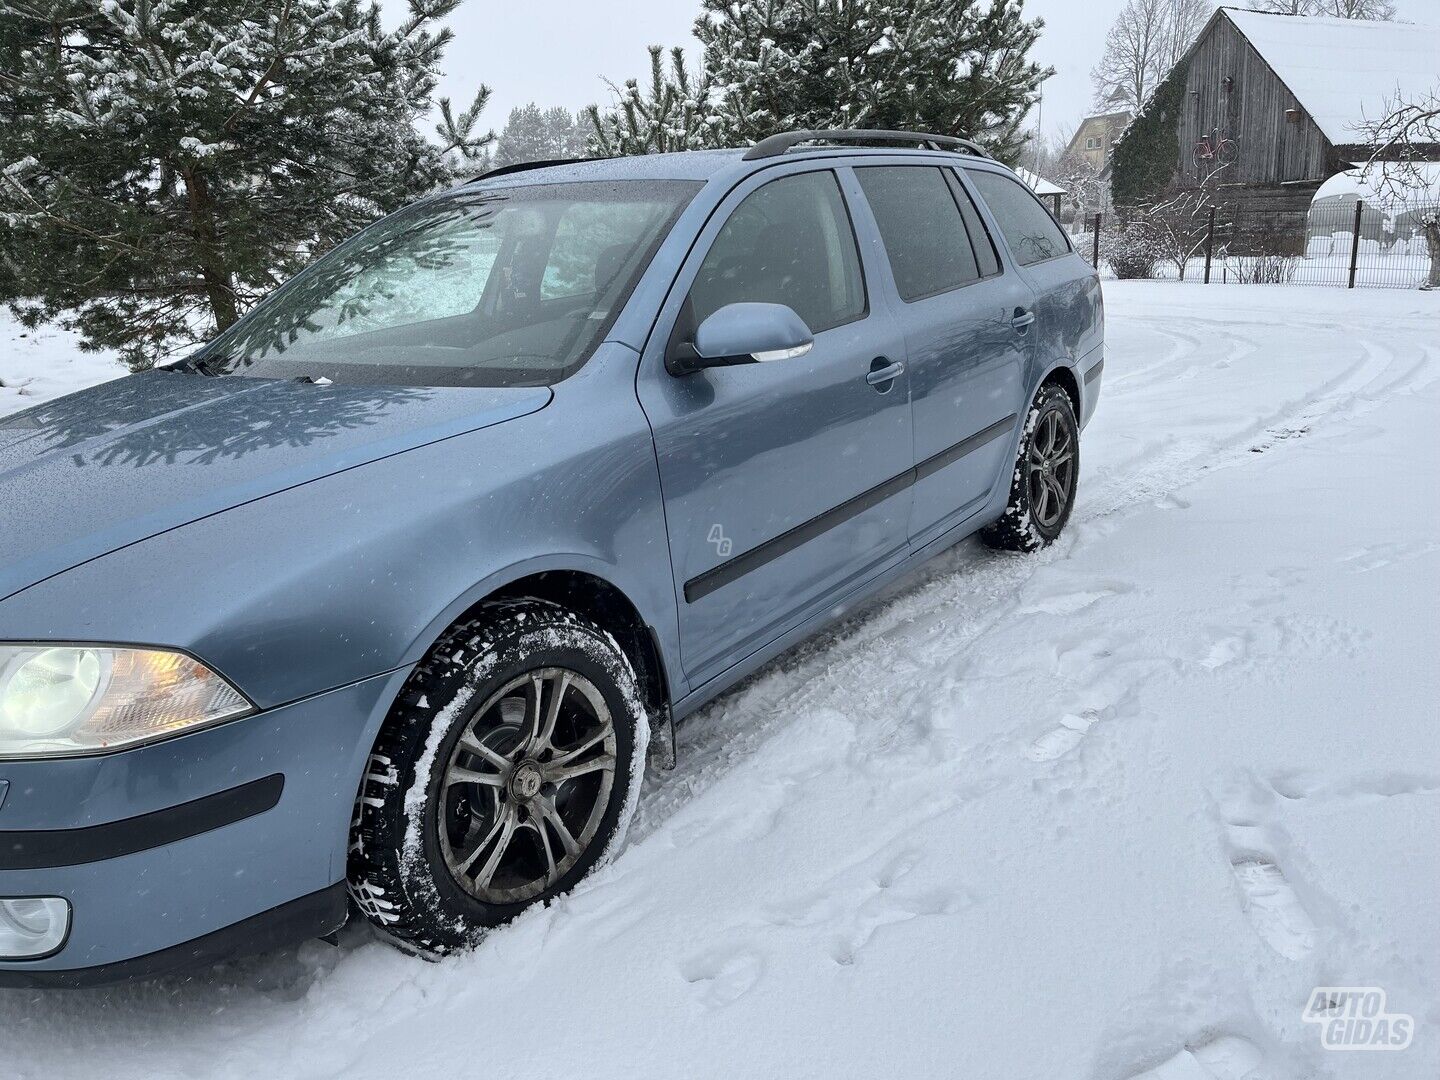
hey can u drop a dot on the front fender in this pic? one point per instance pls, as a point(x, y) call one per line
point(657, 612)
point(355, 574)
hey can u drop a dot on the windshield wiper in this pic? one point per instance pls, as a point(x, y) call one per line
point(202, 366)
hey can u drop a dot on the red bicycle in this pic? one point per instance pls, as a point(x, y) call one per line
point(1213, 150)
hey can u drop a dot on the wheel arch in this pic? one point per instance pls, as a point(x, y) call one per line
point(1062, 374)
point(587, 587)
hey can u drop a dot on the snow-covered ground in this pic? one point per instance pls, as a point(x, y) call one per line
point(1105, 812)
point(45, 363)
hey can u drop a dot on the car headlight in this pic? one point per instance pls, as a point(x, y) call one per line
point(63, 700)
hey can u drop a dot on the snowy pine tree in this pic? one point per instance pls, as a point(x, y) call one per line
point(673, 112)
point(533, 134)
point(164, 163)
point(566, 132)
point(953, 67)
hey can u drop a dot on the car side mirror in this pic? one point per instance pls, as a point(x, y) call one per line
point(749, 333)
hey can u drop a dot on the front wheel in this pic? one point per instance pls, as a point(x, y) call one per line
point(1047, 473)
point(507, 772)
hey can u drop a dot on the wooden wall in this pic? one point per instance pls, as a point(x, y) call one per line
point(1269, 149)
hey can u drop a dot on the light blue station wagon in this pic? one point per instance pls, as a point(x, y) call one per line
point(383, 599)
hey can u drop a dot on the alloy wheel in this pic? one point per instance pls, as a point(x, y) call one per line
point(527, 786)
point(1051, 465)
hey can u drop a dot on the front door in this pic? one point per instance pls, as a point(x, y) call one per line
point(785, 483)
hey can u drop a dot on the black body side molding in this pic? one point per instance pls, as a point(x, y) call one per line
point(716, 577)
point(42, 848)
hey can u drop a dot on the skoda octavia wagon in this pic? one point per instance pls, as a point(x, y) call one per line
point(382, 600)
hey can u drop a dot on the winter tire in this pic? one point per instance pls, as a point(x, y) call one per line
point(507, 771)
point(1047, 473)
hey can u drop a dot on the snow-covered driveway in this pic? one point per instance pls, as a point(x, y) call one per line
point(1108, 811)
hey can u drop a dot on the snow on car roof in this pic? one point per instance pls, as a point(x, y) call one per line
point(1344, 71)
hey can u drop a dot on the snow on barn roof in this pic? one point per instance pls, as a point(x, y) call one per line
point(1344, 71)
point(1039, 184)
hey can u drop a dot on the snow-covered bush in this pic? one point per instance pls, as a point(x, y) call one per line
point(1131, 247)
point(1262, 269)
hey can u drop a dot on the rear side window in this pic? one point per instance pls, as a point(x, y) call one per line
point(925, 239)
point(1030, 231)
point(789, 242)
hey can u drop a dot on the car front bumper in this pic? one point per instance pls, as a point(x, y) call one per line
point(183, 852)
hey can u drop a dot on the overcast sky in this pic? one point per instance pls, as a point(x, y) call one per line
point(558, 52)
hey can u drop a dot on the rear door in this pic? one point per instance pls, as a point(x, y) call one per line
point(1067, 292)
point(786, 484)
point(966, 335)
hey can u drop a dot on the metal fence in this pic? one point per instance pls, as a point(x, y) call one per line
point(1344, 243)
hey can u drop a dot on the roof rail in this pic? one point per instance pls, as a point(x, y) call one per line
point(526, 166)
point(775, 145)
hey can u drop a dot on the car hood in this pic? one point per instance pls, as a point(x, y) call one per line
point(95, 471)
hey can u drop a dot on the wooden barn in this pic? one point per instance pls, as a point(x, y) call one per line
point(1263, 108)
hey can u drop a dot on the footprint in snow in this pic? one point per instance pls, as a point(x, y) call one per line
point(1226, 1057)
point(1059, 741)
point(1224, 652)
point(722, 976)
point(888, 908)
point(1378, 556)
point(1269, 899)
point(853, 908)
point(1070, 603)
point(1294, 786)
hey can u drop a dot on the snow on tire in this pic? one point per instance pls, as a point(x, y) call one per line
point(507, 771)
point(1046, 475)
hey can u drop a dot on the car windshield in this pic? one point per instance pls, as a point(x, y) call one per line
point(503, 287)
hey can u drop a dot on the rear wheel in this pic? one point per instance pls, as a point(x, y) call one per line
point(507, 772)
point(1047, 473)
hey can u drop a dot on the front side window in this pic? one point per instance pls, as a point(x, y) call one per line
point(1028, 227)
point(789, 242)
point(505, 287)
point(925, 239)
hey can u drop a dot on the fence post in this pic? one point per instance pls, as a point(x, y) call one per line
point(1355, 243)
point(1095, 259)
point(1209, 244)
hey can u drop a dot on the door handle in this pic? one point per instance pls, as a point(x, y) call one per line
point(1022, 318)
point(885, 374)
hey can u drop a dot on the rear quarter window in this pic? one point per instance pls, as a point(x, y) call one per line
point(1028, 228)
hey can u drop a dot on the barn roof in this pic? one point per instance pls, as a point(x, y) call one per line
point(1344, 71)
